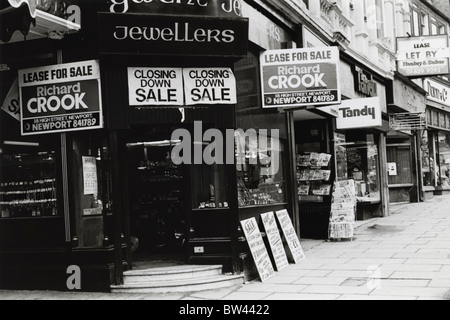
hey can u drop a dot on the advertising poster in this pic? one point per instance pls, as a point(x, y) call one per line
point(90, 175)
point(300, 77)
point(258, 249)
point(155, 86)
point(423, 56)
point(291, 236)
point(275, 242)
point(209, 86)
point(60, 98)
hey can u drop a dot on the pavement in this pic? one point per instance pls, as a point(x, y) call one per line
point(405, 256)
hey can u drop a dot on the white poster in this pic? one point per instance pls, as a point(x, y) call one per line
point(209, 86)
point(359, 113)
point(155, 86)
point(90, 175)
point(258, 249)
point(423, 56)
point(291, 236)
point(275, 242)
point(11, 105)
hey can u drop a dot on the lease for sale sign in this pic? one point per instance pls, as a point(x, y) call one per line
point(60, 98)
point(300, 77)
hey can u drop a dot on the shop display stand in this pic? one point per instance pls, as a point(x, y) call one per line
point(343, 211)
point(313, 176)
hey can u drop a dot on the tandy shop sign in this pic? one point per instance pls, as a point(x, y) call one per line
point(423, 56)
point(359, 113)
point(60, 98)
point(173, 35)
point(300, 77)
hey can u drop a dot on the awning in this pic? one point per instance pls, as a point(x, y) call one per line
point(33, 23)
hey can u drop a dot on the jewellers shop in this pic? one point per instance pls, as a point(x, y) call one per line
point(93, 117)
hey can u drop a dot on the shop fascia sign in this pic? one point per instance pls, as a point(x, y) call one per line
point(173, 35)
point(227, 8)
point(293, 78)
point(359, 113)
point(181, 86)
point(423, 56)
point(437, 92)
point(60, 98)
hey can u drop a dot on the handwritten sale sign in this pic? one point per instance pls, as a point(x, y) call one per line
point(258, 249)
point(291, 236)
point(300, 77)
point(275, 242)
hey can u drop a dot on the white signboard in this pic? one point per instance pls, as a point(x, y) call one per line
point(291, 236)
point(359, 113)
point(392, 168)
point(155, 86)
point(258, 249)
point(11, 105)
point(90, 175)
point(61, 98)
point(275, 242)
point(437, 92)
point(209, 86)
point(423, 56)
point(300, 77)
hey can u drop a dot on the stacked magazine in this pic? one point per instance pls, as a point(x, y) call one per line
point(343, 210)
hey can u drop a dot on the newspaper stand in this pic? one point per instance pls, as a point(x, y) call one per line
point(343, 211)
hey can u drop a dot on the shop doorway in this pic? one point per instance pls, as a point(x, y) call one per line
point(157, 200)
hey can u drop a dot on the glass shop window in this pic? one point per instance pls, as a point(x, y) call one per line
point(359, 160)
point(260, 171)
point(428, 163)
point(28, 180)
point(444, 158)
point(91, 189)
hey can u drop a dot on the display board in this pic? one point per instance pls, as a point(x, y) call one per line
point(258, 249)
point(275, 242)
point(343, 208)
point(291, 236)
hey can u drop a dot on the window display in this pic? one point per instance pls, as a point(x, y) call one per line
point(313, 176)
point(362, 163)
point(28, 184)
point(444, 159)
point(428, 163)
point(259, 171)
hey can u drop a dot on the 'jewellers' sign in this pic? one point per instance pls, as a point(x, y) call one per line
point(173, 35)
point(60, 98)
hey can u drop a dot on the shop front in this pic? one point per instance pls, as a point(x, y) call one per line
point(406, 105)
point(434, 141)
point(360, 138)
point(88, 176)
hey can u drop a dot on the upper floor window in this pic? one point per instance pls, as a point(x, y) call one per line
point(380, 19)
point(415, 25)
point(425, 24)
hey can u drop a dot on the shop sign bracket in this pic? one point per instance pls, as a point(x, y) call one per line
point(408, 121)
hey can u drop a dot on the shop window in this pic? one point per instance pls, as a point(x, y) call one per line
point(28, 180)
point(428, 163)
point(91, 190)
point(444, 159)
point(210, 186)
point(260, 171)
point(362, 165)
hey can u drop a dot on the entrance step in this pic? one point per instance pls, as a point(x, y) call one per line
point(177, 279)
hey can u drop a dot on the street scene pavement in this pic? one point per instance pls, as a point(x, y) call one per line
point(405, 256)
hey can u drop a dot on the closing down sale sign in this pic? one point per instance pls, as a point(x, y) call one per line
point(300, 77)
point(60, 98)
